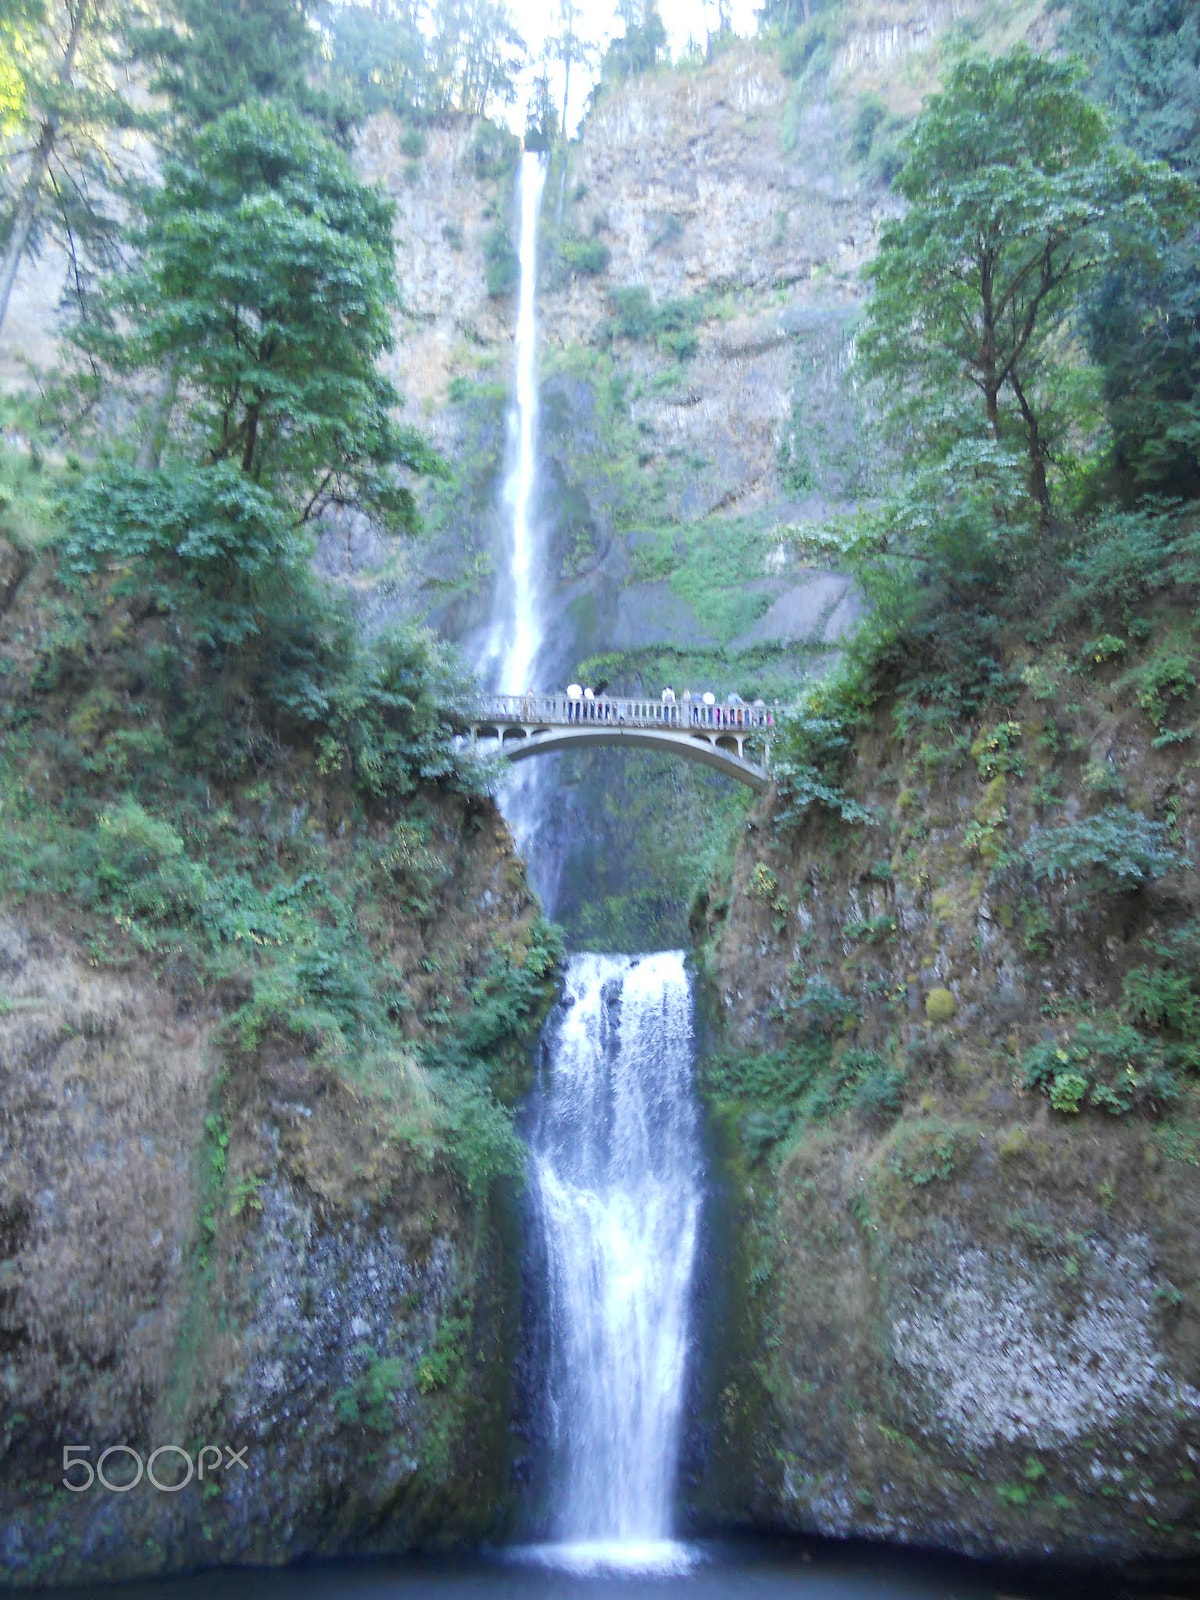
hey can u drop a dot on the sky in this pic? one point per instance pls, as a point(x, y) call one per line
point(683, 19)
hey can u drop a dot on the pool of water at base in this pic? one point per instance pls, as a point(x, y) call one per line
point(790, 1570)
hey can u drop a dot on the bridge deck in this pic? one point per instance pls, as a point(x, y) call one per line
point(716, 735)
point(559, 711)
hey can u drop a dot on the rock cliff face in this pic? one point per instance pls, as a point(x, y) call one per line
point(970, 1303)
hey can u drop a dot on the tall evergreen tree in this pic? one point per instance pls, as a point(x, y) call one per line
point(207, 56)
point(61, 107)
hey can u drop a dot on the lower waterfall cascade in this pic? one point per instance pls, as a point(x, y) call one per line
point(616, 1178)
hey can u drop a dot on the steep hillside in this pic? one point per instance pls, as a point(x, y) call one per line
point(265, 995)
point(953, 1058)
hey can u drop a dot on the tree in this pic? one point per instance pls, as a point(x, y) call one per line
point(381, 51)
point(1019, 199)
point(541, 117)
point(207, 56)
point(267, 284)
point(642, 44)
point(1144, 320)
point(479, 54)
point(571, 48)
point(58, 101)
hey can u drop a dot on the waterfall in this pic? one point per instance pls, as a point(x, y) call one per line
point(614, 1150)
point(518, 628)
point(616, 1179)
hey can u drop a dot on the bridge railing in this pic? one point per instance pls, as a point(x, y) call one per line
point(725, 716)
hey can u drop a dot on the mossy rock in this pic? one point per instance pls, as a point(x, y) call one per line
point(940, 1005)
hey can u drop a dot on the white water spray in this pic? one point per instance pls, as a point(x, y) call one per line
point(617, 1184)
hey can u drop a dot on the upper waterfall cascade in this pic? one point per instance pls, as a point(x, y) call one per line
point(520, 626)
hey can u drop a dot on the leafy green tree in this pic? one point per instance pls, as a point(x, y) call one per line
point(1144, 320)
point(1019, 199)
point(266, 283)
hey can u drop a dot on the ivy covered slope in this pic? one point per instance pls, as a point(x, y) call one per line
point(270, 970)
point(955, 979)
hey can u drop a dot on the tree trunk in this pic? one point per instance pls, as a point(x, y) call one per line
point(251, 439)
point(27, 207)
point(158, 418)
point(1037, 456)
point(566, 90)
point(22, 227)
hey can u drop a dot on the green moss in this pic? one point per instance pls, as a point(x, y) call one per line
point(940, 1005)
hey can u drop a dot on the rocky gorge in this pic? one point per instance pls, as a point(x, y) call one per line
point(956, 1311)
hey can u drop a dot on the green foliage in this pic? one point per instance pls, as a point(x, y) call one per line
point(442, 1368)
point(208, 544)
point(1159, 681)
point(669, 325)
point(1115, 852)
point(807, 51)
point(495, 151)
point(926, 1152)
point(502, 268)
point(1144, 319)
point(370, 1401)
point(811, 745)
point(1067, 1090)
point(1018, 201)
point(590, 256)
point(870, 115)
point(1119, 558)
point(207, 58)
point(266, 286)
point(211, 551)
point(639, 49)
point(863, 1081)
point(1164, 998)
point(1106, 1064)
point(383, 58)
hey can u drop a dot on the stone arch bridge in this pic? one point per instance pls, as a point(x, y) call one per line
point(732, 737)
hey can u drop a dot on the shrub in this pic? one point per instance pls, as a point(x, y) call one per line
point(1067, 1090)
point(869, 114)
point(1106, 1063)
point(1116, 852)
point(502, 267)
point(586, 255)
point(1159, 681)
point(494, 150)
point(940, 1005)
